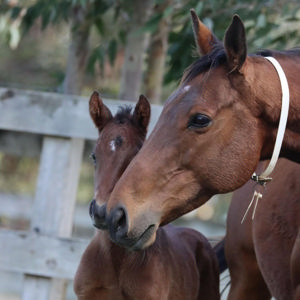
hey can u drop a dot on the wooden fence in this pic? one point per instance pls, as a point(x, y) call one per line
point(46, 254)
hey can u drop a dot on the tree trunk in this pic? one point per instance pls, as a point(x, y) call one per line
point(157, 57)
point(132, 70)
point(73, 82)
point(78, 51)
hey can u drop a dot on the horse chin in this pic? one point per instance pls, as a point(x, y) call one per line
point(146, 239)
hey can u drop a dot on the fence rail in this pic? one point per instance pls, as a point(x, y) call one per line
point(39, 254)
point(46, 252)
point(53, 114)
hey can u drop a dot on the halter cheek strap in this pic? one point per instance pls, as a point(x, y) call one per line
point(264, 176)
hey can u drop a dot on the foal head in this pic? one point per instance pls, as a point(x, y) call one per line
point(120, 138)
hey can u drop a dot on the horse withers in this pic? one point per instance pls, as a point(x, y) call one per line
point(179, 265)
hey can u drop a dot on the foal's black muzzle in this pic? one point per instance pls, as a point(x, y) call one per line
point(98, 214)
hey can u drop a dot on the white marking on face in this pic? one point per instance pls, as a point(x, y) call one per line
point(112, 146)
point(177, 93)
point(186, 88)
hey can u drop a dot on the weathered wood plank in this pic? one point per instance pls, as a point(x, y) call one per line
point(54, 204)
point(16, 207)
point(56, 189)
point(40, 284)
point(20, 143)
point(53, 114)
point(40, 255)
point(30, 144)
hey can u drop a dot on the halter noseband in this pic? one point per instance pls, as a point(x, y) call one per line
point(263, 178)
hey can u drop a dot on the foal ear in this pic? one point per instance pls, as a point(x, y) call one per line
point(205, 39)
point(235, 44)
point(142, 113)
point(100, 113)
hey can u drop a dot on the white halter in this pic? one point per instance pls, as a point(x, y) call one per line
point(263, 177)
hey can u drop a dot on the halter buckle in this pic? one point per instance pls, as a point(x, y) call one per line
point(262, 180)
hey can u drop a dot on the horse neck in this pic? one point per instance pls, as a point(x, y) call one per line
point(269, 97)
point(291, 66)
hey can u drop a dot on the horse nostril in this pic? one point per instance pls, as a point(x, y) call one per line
point(118, 221)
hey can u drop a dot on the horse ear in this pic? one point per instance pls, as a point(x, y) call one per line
point(235, 44)
point(205, 39)
point(142, 112)
point(100, 113)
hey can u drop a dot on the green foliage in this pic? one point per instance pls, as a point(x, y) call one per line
point(270, 24)
point(112, 50)
point(97, 56)
point(54, 11)
point(152, 24)
point(51, 12)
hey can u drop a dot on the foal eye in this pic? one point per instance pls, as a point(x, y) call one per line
point(199, 121)
point(93, 157)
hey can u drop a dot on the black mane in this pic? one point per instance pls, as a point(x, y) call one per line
point(214, 59)
point(265, 52)
point(217, 57)
point(123, 114)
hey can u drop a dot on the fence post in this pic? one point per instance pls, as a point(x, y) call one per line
point(54, 205)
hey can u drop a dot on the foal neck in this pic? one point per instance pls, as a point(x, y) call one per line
point(121, 257)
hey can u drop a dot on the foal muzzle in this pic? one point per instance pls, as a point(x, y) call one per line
point(98, 214)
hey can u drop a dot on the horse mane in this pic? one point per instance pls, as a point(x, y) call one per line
point(266, 52)
point(211, 60)
point(218, 57)
point(123, 114)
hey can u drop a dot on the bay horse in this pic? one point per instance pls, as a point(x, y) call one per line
point(210, 136)
point(179, 265)
point(263, 254)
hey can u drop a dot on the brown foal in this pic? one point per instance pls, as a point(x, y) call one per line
point(179, 265)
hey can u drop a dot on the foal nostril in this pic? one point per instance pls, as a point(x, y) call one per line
point(97, 214)
point(118, 222)
point(92, 208)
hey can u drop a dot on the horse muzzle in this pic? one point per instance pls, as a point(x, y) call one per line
point(98, 215)
point(136, 239)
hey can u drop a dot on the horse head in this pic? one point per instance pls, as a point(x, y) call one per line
point(210, 136)
point(120, 138)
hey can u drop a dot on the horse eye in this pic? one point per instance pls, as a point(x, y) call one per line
point(118, 141)
point(199, 121)
point(93, 157)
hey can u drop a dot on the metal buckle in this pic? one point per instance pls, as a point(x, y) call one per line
point(260, 179)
